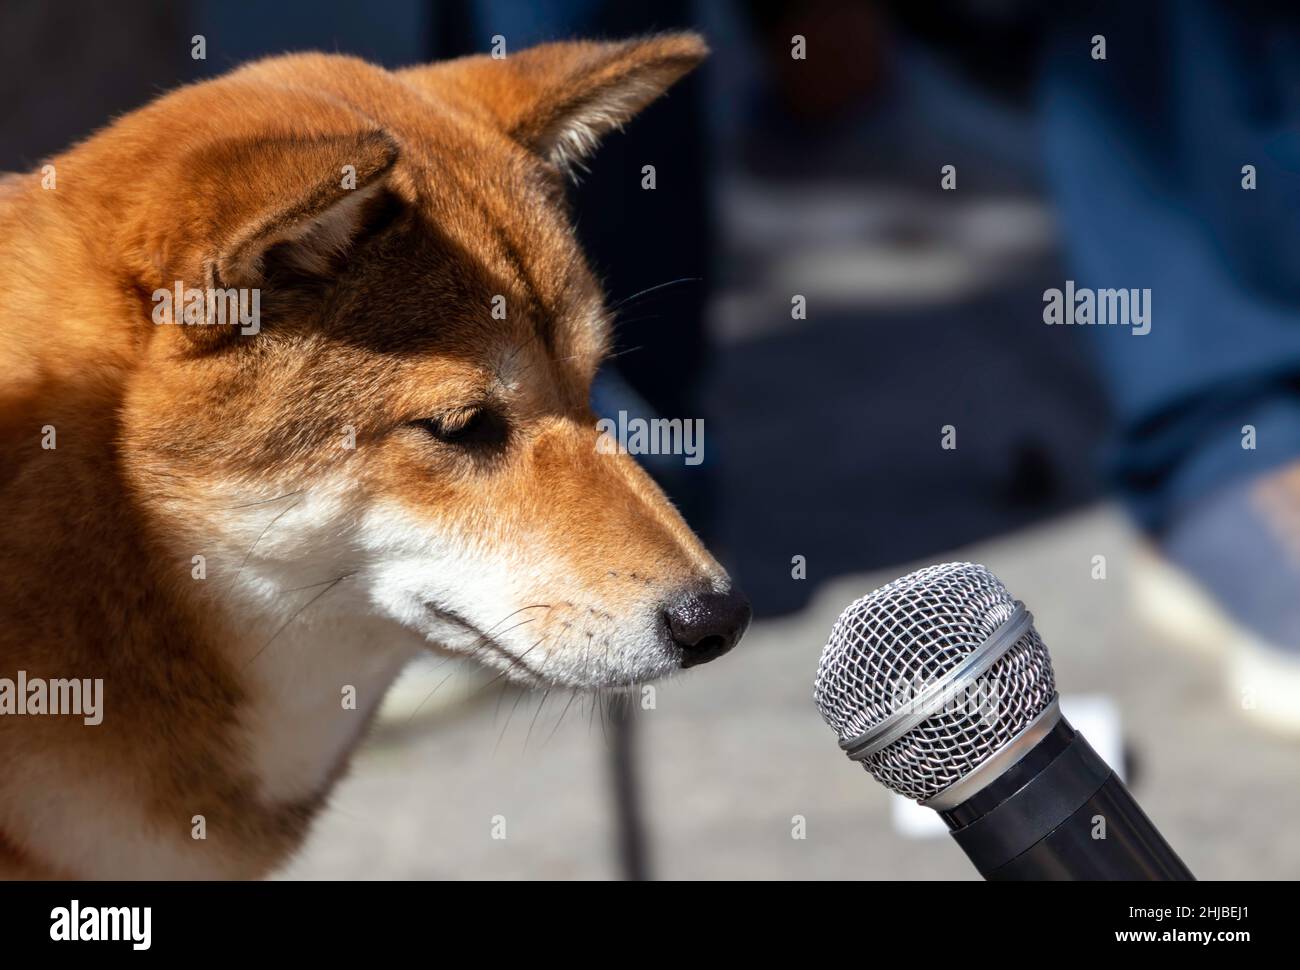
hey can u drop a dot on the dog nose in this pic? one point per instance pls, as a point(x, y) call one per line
point(706, 624)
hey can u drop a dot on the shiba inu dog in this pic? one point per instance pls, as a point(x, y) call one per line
point(235, 523)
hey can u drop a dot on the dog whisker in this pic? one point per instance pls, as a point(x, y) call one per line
point(600, 703)
point(501, 696)
point(560, 720)
point(486, 634)
point(265, 501)
point(437, 687)
point(654, 289)
point(475, 648)
point(509, 718)
point(297, 613)
point(535, 606)
point(533, 723)
point(624, 353)
point(261, 535)
point(515, 662)
point(299, 589)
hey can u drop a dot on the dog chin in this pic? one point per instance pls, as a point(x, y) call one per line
point(624, 664)
point(607, 663)
point(606, 680)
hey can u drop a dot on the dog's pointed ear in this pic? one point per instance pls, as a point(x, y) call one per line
point(560, 99)
point(235, 201)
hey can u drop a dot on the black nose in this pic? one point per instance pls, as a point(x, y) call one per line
point(707, 624)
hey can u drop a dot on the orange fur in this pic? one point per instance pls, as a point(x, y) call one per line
point(376, 314)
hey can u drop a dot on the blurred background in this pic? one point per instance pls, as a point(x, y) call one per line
point(811, 279)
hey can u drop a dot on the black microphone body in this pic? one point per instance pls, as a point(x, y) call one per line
point(1061, 813)
point(940, 687)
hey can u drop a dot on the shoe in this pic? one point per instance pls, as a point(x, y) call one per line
point(1225, 579)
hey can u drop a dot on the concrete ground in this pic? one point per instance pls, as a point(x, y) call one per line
point(732, 752)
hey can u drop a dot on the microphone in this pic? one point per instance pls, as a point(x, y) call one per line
point(940, 686)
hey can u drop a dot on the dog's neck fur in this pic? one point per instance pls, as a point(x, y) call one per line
point(214, 705)
point(258, 731)
point(315, 671)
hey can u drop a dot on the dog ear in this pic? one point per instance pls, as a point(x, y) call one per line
point(236, 201)
point(560, 99)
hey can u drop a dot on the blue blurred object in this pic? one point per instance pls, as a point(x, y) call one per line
point(1145, 152)
point(528, 22)
point(389, 32)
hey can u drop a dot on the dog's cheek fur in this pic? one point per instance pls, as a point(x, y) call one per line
point(565, 557)
point(517, 609)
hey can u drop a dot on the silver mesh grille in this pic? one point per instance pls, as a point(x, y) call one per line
point(906, 636)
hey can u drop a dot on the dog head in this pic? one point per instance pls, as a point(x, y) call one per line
point(398, 422)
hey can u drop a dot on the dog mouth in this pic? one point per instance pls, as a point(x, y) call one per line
point(486, 647)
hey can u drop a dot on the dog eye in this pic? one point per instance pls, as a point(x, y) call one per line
point(468, 428)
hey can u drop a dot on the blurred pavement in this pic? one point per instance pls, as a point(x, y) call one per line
point(735, 749)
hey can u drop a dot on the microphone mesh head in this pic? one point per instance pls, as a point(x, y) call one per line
point(906, 636)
